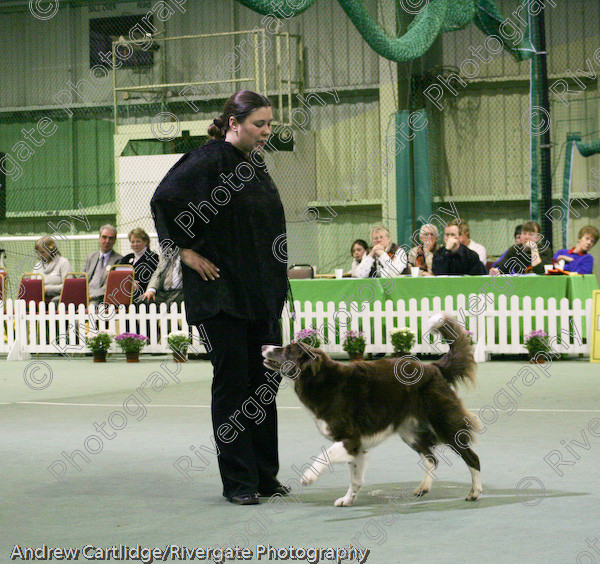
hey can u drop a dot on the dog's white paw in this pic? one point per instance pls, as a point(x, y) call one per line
point(308, 478)
point(473, 495)
point(420, 492)
point(345, 501)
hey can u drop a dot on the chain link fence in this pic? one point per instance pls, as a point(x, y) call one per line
point(102, 97)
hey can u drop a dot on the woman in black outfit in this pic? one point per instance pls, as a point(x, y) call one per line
point(219, 205)
point(143, 260)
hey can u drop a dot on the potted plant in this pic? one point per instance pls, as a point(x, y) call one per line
point(309, 337)
point(131, 344)
point(178, 342)
point(538, 346)
point(403, 340)
point(99, 344)
point(354, 344)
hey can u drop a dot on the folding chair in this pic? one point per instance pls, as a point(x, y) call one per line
point(31, 288)
point(3, 277)
point(75, 289)
point(119, 285)
point(298, 271)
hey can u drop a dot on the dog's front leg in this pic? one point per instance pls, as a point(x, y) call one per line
point(357, 479)
point(476, 487)
point(335, 453)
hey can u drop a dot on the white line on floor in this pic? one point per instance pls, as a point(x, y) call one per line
point(66, 404)
point(552, 410)
point(118, 404)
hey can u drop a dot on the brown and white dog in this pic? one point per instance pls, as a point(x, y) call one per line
point(360, 404)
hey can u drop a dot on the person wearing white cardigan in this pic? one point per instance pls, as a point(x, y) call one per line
point(52, 265)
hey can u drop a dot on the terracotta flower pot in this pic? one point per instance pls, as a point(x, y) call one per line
point(539, 359)
point(132, 356)
point(99, 356)
point(355, 356)
point(179, 356)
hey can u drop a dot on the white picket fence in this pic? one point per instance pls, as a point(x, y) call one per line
point(498, 324)
point(25, 329)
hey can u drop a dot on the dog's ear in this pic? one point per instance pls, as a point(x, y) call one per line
point(316, 361)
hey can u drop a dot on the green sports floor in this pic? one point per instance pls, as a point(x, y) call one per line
point(128, 489)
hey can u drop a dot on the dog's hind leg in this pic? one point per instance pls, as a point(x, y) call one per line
point(357, 479)
point(335, 453)
point(421, 439)
point(452, 430)
point(471, 460)
point(476, 488)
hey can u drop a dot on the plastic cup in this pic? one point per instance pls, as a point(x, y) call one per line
point(547, 268)
point(414, 271)
point(339, 273)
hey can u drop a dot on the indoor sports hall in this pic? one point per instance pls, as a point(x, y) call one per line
point(421, 156)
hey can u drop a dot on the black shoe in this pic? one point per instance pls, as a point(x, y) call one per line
point(244, 499)
point(279, 489)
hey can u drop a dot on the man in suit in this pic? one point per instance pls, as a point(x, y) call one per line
point(454, 258)
point(465, 239)
point(166, 284)
point(98, 263)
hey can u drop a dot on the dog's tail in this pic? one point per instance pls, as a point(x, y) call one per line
point(458, 364)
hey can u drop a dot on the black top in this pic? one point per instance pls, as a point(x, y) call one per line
point(225, 206)
point(518, 258)
point(143, 269)
point(462, 261)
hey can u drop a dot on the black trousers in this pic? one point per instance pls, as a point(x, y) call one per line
point(244, 414)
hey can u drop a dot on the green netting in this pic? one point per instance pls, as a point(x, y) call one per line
point(437, 16)
point(477, 150)
point(539, 121)
point(43, 179)
point(287, 8)
point(571, 141)
point(586, 150)
point(489, 20)
point(535, 101)
point(405, 211)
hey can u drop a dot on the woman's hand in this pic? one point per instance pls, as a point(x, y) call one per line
point(535, 253)
point(565, 258)
point(148, 295)
point(377, 250)
point(201, 265)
